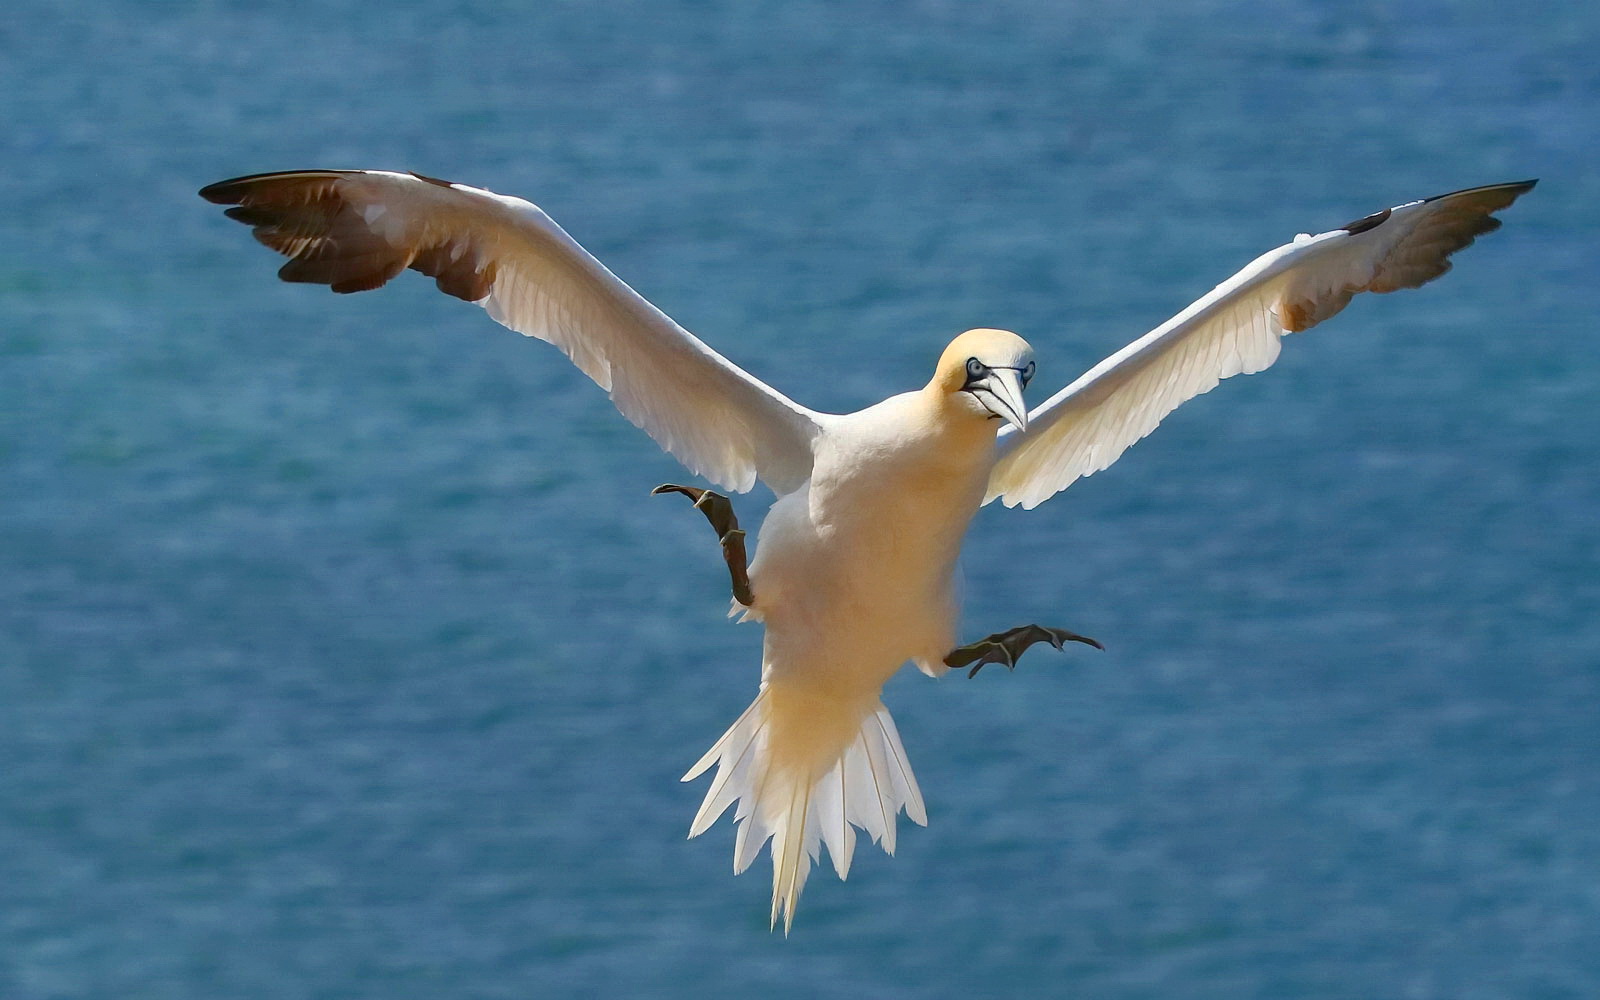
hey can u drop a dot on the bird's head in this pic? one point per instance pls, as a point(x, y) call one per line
point(984, 372)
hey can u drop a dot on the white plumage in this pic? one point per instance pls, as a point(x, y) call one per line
point(854, 571)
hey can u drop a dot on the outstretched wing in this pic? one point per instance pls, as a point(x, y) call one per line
point(354, 230)
point(1235, 328)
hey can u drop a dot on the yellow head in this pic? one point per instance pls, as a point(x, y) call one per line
point(984, 372)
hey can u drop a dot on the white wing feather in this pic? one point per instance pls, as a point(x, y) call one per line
point(356, 229)
point(1236, 328)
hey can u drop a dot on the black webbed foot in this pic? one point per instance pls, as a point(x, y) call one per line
point(719, 511)
point(1007, 647)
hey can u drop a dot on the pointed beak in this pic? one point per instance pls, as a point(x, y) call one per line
point(1001, 392)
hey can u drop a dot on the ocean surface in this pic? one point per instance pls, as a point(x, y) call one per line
point(344, 654)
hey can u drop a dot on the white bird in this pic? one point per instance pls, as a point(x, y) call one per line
point(854, 571)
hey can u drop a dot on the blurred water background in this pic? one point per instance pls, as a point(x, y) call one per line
point(343, 653)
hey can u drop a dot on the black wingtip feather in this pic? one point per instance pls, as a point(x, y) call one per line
point(1372, 221)
point(1520, 187)
point(232, 190)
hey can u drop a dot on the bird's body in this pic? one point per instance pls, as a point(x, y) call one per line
point(871, 540)
point(854, 576)
point(854, 572)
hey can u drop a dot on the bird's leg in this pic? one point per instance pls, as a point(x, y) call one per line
point(1007, 647)
point(719, 511)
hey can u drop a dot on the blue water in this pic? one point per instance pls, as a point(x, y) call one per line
point(343, 653)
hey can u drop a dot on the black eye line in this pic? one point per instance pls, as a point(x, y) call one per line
point(1022, 370)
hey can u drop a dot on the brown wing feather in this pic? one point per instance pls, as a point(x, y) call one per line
point(1451, 222)
point(305, 217)
point(1459, 219)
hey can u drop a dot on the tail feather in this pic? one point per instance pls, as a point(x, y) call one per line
point(882, 825)
point(791, 858)
point(715, 753)
point(725, 787)
point(805, 773)
point(750, 821)
point(833, 808)
point(906, 785)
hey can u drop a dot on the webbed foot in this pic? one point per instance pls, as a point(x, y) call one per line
point(1007, 647)
point(719, 511)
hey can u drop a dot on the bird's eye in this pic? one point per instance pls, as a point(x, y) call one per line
point(975, 368)
point(1027, 373)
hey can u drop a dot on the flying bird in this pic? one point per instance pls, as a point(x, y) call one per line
point(853, 574)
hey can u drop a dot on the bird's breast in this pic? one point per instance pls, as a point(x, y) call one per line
point(894, 503)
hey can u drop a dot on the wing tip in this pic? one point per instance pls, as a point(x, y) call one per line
point(1517, 189)
point(233, 190)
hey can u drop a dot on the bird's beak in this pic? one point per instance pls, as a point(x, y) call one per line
point(1001, 393)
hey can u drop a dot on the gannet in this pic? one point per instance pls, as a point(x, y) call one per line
point(854, 570)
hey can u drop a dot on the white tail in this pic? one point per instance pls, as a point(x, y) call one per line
point(804, 770)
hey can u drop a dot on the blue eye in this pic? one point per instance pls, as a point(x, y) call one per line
point(975, 368)
point(1027, 374)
